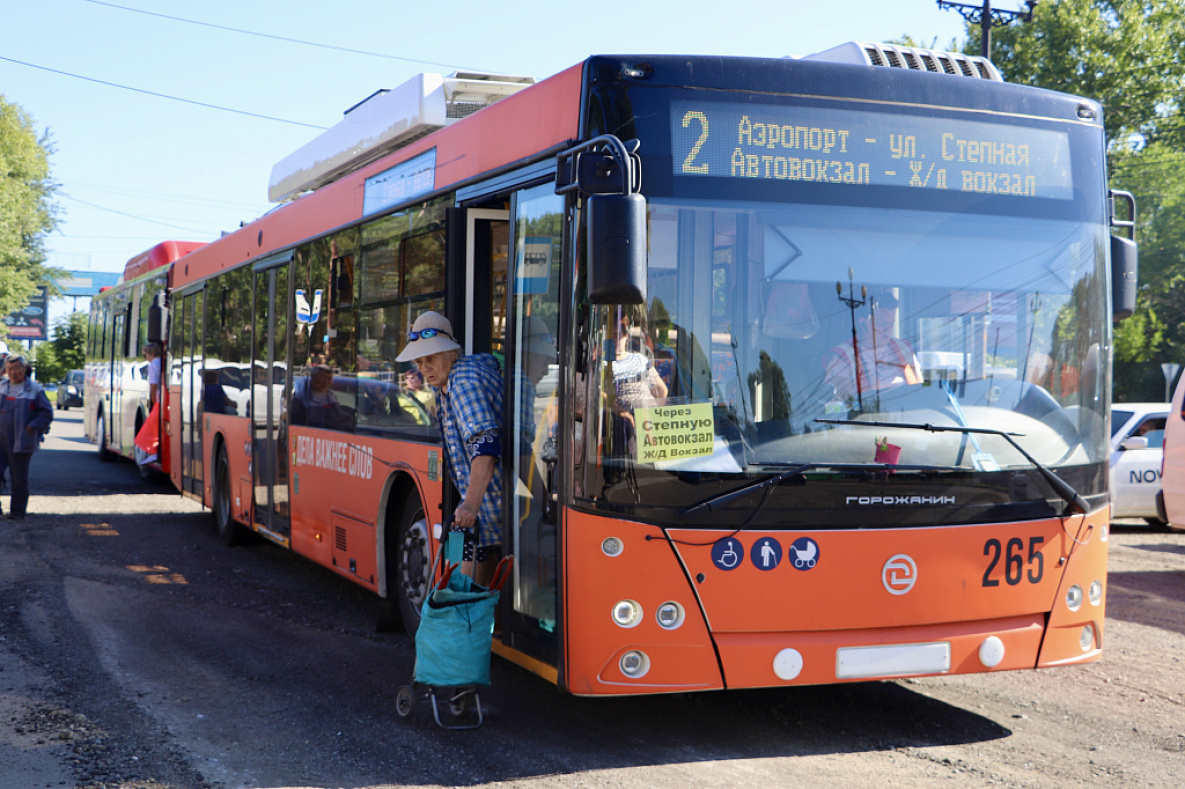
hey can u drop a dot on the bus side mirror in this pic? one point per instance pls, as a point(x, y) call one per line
point(157, 315)
point(1124, 277)
point(1124, 258)
point(616, 248)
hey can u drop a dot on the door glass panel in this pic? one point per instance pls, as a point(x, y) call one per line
point(532, 403)
point(269, 418)
point(191, 457)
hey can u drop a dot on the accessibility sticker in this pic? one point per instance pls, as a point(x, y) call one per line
point(805, 552)
point(728, 554)
point(766, 553)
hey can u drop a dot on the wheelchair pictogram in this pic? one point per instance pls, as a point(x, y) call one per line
point(727, 554)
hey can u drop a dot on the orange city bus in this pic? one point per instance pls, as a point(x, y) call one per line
point(807, 362)
point(115, 398)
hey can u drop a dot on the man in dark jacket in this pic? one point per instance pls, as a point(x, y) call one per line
point(25, 415)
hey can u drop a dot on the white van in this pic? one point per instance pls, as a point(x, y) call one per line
point(1170, 502)
point(1137, 433)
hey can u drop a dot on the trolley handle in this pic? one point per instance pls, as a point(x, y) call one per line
point(501, 573)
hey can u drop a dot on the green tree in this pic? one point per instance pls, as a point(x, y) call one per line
point(65, 352)
point(1130, 56)
point(27, 213)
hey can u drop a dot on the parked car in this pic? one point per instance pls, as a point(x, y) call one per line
point(70, 390)
point(1137, 438)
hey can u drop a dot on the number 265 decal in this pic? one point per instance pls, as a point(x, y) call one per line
point(1019, 565)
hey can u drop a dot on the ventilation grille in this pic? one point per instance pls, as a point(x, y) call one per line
point(893, 56)
point(339, 539)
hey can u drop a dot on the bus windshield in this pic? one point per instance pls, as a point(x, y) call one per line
point(766, 326)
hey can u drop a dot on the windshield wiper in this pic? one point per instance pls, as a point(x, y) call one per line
point(713, 503)
point(1072, 497)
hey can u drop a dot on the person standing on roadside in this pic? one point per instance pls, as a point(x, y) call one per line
point(3, 457)
point(469, 406)
point(25, 415)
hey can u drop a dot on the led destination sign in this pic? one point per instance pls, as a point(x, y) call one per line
point(779, 143)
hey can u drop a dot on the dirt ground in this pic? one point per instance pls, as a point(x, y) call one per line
point(136, 652)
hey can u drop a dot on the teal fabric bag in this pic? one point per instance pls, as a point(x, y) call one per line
point(456, 628)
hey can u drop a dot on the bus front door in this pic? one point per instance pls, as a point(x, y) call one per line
point(532, 409)
point(270, 386)
point(192, 325)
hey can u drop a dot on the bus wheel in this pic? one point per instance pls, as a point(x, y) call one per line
point(230, 531)
point(414, 563)
point(101, 429)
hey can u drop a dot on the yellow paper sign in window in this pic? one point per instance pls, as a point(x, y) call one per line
point(674, 432)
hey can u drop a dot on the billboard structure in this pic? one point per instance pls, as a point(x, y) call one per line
point(32, 322)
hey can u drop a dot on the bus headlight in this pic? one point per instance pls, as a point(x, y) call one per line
point(1074, 597)
point(1095, 592)
point(669, 615)
point(627, 613)
point(634, 663)
point(612, 546)
point(1086, 638)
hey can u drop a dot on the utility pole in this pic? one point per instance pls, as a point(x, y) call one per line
point(987, 17)
point(854, 304)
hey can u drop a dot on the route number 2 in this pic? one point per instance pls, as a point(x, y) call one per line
point(1013, 556)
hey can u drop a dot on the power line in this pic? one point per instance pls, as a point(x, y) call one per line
point(140, 218)
point(161, 95)
point(274, 38)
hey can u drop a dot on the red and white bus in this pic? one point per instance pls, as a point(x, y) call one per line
point(701, 493)
point(115, 397)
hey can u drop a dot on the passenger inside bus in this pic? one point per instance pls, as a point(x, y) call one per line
point(214, 399)
point(375, 400)
point(879, 360)
point(635, 377)
point(413, 386)
point(314, 403)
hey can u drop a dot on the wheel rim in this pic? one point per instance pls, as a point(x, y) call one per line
point(415, 562)
point(403, 701)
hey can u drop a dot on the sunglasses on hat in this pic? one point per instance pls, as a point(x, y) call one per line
point(428, 334)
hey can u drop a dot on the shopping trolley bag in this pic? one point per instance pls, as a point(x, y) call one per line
point(453, 639)
point(456, 626)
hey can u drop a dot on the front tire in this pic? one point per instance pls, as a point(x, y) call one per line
point(105, 454)
point(230, 531)
point(413, 563)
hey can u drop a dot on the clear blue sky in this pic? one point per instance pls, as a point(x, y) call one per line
point(136, 168)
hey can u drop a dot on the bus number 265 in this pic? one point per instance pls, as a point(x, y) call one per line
point(1015, 560)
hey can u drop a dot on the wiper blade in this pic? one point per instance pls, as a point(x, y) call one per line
point(1072, 497)
point(710, 504)
point(714, 503)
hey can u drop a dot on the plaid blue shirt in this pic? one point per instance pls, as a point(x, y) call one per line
point(471, 418)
